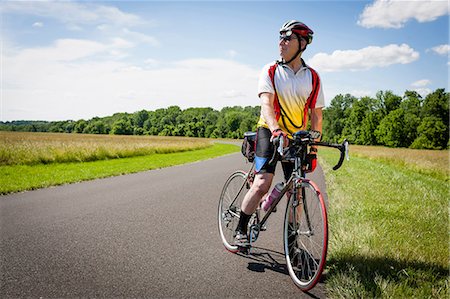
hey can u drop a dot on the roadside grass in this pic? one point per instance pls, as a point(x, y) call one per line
point(389, 227)
point(430, 162)
point(28, 148)
point(14, 178)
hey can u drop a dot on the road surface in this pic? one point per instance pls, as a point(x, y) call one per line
point(152, 234)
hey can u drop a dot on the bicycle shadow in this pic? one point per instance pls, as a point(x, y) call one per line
point(263, 259)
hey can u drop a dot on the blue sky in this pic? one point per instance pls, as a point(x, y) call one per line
point(75, 60)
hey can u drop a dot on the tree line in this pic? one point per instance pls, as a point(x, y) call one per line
point(387, 119)
point(390, 120)
point(229, 122)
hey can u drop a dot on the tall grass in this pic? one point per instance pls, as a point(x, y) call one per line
point(430, 162)
point(23, 148)
point(14, 178)
point(389, 227)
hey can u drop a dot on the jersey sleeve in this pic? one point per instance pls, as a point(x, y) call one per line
point(264, 82)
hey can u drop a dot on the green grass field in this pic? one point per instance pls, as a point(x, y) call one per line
point(389, 227)
point(36, 160)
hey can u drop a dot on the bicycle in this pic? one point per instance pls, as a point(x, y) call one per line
point(305, 230)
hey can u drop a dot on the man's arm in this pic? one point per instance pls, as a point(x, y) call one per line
point(267, 110)
point(316, 122)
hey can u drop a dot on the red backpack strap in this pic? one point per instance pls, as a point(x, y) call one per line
point(276, 102)
point(312, 99)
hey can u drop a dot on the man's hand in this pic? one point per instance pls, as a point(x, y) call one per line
point(278, 133)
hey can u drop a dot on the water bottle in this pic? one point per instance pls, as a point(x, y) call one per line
point(272, 196)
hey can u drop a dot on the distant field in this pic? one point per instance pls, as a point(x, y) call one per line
point(430, 162)
point(37, 160)
point(24, 148)
point(389, 223)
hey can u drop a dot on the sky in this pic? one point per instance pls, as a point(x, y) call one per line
point(71, 60)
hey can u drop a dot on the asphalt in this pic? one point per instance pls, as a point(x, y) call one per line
point(147, 235)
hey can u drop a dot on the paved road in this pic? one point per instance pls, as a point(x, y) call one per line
point(151, 234)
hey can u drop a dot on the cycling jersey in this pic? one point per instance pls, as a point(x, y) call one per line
point(294, 91)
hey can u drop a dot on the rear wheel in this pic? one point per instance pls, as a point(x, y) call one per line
point(306, 236)
point(233, 193)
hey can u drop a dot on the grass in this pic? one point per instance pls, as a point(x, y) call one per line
point(389, 227)
point(161, 152)
point(429, 162)
point(24, 148)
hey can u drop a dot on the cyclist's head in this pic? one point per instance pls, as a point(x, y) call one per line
point(297, 28)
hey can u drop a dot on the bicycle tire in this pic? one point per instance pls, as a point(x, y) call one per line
point(305, 246)
point(233, 193)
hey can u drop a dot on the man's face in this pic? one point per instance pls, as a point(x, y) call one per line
point(289, 45)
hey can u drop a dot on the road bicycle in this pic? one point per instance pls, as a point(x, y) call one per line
point(305, 233)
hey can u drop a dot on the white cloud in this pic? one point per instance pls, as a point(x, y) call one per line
point(141, 38)
point(72, 12)
point(364, 59)
point(441, 49)
point(68, 81)
point(395, 13)
point(421, 83)
point(68, 50)
point(38, 24)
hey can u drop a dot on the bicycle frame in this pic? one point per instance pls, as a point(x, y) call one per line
point(293, 183)
point(295, 180)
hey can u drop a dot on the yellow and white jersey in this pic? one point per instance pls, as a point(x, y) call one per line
point(295, 93)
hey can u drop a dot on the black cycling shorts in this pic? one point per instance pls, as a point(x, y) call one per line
point(264, 152)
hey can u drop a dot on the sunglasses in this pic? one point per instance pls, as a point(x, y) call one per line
point(287, 38)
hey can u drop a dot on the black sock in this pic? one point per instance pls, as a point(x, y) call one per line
point(243, 222)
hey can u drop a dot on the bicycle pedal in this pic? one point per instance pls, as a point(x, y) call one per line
point(263, 228)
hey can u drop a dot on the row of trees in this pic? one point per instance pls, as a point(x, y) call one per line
point(230, 122)
point(388, 119)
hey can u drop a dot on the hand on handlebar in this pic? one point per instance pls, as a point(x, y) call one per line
point(278, 133)
point(280, 141)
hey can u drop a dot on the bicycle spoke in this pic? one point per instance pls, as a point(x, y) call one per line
point(306, 237)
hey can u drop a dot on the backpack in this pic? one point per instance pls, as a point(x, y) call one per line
point(310, 102)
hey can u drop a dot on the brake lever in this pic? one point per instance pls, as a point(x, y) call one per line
point(281, 146)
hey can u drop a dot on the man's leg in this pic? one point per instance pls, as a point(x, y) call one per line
point(260, 186)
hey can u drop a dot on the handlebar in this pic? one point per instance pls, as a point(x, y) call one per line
point(343, 148)
point(305, 138)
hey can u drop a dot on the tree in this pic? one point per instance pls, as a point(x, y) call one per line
point(334, 117)
point(390, 131)
point(122, 127)
point(79, 126)
point(388, 101)
point(368, 127)
point(358, 112)
point(95, 127)
point(432, 134)
point(436, 104)
point(139, 118)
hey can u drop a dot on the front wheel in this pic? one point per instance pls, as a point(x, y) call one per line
point(306, 235)
point(233, 193)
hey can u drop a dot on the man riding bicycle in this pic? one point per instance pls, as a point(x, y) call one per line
point(288, 90)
